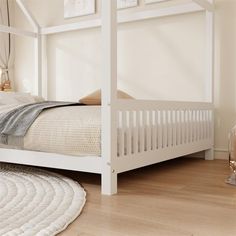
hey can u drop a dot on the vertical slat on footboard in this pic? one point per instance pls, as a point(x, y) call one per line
point(164, 144)
point(141, 131)
point(174, 125)
point(178, 128)
point(160, 130)
point(148, 131)
point(208, 122)
point(136, 132)
point(169, 133)
point(191, 126)
point(198, 125)
point(187, 126)
point(129, 130)
point(121, 134)
point(182, 127)
point(203, 124)
point(195, 125)
point(154, 130)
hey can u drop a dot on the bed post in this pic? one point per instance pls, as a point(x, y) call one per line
point(209, 154)
point(109, 91)
point(38, 47)
point(38, 64)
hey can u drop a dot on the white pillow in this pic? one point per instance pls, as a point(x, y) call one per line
point(7, 98)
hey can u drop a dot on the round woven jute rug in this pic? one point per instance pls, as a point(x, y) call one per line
point(35, 202)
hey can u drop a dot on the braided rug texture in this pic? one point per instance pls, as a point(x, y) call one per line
point(35, 202)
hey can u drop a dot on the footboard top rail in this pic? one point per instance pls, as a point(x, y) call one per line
point(133, 104)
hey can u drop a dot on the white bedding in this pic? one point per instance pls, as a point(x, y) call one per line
point(74, 130)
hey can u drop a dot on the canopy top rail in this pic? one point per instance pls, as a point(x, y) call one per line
point(28, 15)
point(123, 17)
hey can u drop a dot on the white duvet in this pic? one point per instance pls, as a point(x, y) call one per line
point(74, 130)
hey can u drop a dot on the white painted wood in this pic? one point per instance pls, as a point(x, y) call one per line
point(38, 47)
point(191, 126)
point(182, 127)
point(129, 104)
point(44, 61)
point(141, 131)
point(183, 121)
point(136, 134)
point(174, 126)
point(205, 4)
point(124, 17)
point(170, 129)
point(16, 31)
point(91, 164)
point(147, 132)
point(38, 65)
point(160, 155)
point(208, 125)
point(28, 15)
point(209, 154)
point(178, 127)
point(199, 125)
point(188, 126)
point(165, 134)
point(145, 129)
point(194, 126)
point(203, 125)
point(156, 131)
point(109, 91)
point(153, 131)
point(129, 133)
point(72, 27)
point(210, 56)
point(119, 125)
point(122, 132)
point(160, 129)
point(131, 160)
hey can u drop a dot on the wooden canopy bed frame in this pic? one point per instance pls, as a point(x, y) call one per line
point(148, 131)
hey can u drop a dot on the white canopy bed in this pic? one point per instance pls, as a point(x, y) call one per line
point(134, 133)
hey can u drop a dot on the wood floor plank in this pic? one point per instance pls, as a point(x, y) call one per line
point(182, 197)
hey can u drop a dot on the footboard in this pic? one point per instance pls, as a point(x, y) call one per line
point(154, 131)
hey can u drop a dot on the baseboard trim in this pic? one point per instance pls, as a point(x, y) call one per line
point(219, 154)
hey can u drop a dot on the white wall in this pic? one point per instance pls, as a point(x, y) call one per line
point(157, 59)
point(225, 71)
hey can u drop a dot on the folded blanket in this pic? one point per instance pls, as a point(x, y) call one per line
point(17, 121)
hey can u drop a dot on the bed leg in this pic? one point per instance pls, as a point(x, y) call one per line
point(109, 182)
point(209, 154)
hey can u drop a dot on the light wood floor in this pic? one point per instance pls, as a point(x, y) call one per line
point(181, 197)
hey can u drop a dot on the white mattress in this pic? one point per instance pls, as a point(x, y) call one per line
point(74, 130)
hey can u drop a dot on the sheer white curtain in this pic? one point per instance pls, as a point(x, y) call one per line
point(5, 41)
